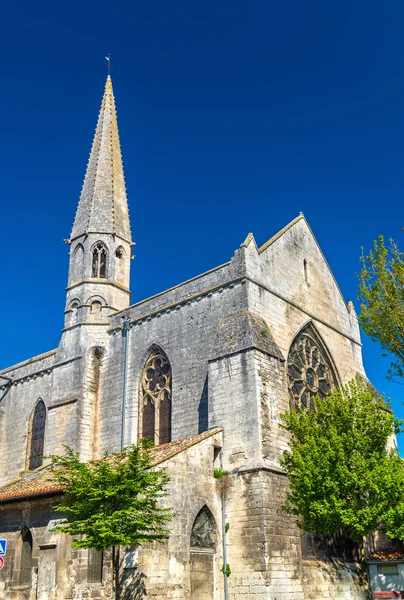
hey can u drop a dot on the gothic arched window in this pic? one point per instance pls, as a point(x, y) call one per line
point(155, 399)
point(202, 555)
point(25, 571)
point(203, 532)
point(310, 372)
point(36, 436)
point(99, 263)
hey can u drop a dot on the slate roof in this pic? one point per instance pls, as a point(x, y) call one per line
point(41, 482)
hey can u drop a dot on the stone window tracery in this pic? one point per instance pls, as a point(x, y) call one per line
point(203, 530)
point(309, 370)
point(37, 436)
point(155, 399)
point(99, 262)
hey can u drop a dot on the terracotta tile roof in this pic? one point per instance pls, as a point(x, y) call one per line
point(166, 451)
point(388, 554)
point(41, 481)
point(388, 594)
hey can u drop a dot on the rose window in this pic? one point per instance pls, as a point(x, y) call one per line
point(309, 371)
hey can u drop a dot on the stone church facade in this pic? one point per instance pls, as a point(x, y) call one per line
point(204, 369)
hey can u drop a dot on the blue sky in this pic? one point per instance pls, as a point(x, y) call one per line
point(234, 117)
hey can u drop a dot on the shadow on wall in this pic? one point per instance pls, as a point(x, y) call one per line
point(133, 585)
point(203, 421)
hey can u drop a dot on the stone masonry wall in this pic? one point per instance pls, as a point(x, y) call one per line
point(264, 547)
point(186, 333)
point(59, 388)
point(155, 571)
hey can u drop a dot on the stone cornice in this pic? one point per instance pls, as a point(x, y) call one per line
point(40, 373)
point(219, 289)
point(256, 469)
point(100, 323)
point(59, 403)
point(87, 233)
point(208, 292)
point(98, 282)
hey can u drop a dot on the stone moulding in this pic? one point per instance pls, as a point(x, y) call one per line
point(63, 402)
point(41, 373)
point(182, 303)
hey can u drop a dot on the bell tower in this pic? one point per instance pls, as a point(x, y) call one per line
point(100, 241)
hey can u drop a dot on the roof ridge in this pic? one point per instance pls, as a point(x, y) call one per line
point(280, 233)
point(39, 481)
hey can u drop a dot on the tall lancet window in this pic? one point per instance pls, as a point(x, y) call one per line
point(99, 264)
point(310, 372)
point(155, 399)
point(36, 436)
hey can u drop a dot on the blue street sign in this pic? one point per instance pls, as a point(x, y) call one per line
point(3, 547)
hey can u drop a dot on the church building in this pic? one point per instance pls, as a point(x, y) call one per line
point(204, 369)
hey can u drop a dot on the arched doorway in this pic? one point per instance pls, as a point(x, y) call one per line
point(202, 559)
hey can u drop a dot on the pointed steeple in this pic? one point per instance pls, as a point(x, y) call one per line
point(103, 206)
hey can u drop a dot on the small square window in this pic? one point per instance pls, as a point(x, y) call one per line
point(387, 569)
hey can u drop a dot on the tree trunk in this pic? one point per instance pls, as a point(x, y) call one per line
point(116, 575)
point(364, 575)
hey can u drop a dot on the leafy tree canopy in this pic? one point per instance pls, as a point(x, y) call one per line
point(381, 293)
point(114, 501)
point(341, 474)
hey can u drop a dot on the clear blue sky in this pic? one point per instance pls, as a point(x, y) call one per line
point(234, 116)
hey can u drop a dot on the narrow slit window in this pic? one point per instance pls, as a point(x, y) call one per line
point(306, 271)
point(37, 436)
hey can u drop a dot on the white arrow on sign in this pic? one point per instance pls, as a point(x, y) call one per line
point(3, 547)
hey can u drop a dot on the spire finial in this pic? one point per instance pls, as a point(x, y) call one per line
point(108, 59)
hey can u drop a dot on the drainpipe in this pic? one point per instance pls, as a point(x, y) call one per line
point(226, 590)
point(125, 334)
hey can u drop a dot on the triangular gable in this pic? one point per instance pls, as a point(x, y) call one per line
point(272, 242)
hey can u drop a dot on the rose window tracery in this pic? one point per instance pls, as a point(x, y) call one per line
point(309, 371)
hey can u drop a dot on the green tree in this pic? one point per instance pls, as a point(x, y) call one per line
point(381, 293)
point(112, 502)
point(341, 474)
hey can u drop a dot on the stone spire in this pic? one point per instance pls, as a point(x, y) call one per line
point(103, 206)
